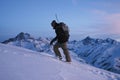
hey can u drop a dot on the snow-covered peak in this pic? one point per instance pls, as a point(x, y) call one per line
point(111, 41)
point(90, 41)
point(25, 40)
point(23, 36)
point(22, 64)
point(88, 38)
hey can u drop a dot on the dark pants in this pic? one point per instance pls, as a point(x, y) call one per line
point(65, 50)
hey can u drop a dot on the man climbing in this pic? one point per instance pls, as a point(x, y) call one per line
point(62, 36)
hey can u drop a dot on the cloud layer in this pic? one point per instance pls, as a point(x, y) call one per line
point(107, 22)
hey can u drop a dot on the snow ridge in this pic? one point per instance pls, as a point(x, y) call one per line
point(22, 64)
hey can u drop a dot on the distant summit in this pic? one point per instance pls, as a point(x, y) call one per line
point(20, 36)
point(88, 40)
point(23, 36)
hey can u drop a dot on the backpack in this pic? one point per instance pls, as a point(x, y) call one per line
point(65, 32)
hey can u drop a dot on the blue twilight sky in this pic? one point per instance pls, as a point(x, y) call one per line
point(95, 18)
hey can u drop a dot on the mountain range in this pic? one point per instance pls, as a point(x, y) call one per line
point(101, 53)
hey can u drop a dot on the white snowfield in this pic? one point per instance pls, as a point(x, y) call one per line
point(22, 64)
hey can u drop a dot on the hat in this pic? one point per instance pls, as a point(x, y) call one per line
point(53, 22)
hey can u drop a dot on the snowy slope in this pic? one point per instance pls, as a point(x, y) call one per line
point(22, 64)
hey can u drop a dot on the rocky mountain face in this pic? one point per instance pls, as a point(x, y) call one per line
point(100, 53)
point(25, 40)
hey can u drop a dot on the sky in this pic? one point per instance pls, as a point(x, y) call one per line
point(95, 18)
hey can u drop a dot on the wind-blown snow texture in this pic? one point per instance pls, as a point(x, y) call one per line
point(22, 64)
point(100, 53)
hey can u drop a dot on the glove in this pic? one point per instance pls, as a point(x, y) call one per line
point(54, 39)
point(51, 43)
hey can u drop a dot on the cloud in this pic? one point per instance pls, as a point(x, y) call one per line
point(98, 12)
point(114, 22)
point(106, 4)
point(107, 22)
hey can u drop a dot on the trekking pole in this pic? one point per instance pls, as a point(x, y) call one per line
point(56, 18)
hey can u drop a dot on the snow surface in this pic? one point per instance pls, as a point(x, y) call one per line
point(21, 64)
